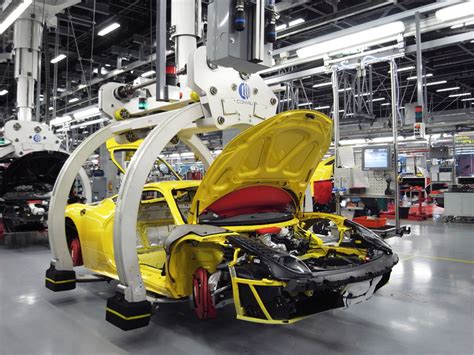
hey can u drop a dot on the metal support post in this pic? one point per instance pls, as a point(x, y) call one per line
point(394, 93)
point(335, 116)
point(161, 93)
point(419, 64)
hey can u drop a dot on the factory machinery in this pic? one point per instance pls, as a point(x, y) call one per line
point(218, 89)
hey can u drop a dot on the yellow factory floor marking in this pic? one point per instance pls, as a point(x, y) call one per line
point(440, 258)
point(408, 258)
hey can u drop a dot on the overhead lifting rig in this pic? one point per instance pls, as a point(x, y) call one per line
point(217, 92)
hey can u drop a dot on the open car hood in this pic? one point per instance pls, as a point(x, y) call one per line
point(267, 165)
point(37, 168)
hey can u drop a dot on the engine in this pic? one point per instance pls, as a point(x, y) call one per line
point(283, 239)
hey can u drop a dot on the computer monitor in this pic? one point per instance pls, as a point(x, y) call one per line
point(377, 158)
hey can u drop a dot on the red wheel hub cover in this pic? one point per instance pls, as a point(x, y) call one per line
point(76, 253)
point(203, 303)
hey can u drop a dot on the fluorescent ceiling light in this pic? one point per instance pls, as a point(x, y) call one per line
point(345, 89)
point(322, 84)
point(411, 67)
point(88, 112)
point(385, 104)
point(363, 94)
point(295, 22)
point(458, 95)
point(352, 141)
point(281, 27)
point(378, 99)
point(148, 73)
point(74, 99)
point(429, 75)
point(470, 99)
point(459, 25)
point(322, 107)
point(89, 123)
point(371, 36)
point(436, 83)
point(108, 29)
point(7, 22)
point(305, 104)
point(455, 12)
point(448, 89)
point(3, 92)
point(285, 100)
point(60, 120)
point(58, 58)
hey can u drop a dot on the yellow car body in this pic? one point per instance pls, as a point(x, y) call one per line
point(242, 233)
point(323, 172)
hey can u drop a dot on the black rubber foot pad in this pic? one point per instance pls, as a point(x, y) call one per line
point(60, 280)
point(127, 315)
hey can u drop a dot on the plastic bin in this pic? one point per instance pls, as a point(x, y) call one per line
point(371, 222)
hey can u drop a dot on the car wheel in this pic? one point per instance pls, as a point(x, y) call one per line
point(203, 302)
point(76, 252)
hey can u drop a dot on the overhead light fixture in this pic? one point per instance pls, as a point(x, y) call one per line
point(436, 83)
point(386, 104)
point(363, 94)
point(51, 108)
point(429, 75)
point(285, 100)
point(460, 25)
point(411, 67)
point(321, 107)
point(13, 15)
point(470, 99)
point(345, 89)
point(448, 89)
point(89, 123)
point(60, 120)
point(371, 36)
point(305, 104)
point(328, 83)
point(108, 29)
point(3, 92)
point(89, 112)
point(118, 71)
point(295, 22)
point(459, 11)
point(58, 58)
point(74, 99)
point(378, 99)
point(281, 27)
point(148, 74)
point(459, 95)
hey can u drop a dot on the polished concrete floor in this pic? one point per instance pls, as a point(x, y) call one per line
point(427, 308)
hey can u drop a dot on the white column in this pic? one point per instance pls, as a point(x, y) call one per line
point(186, 21)
point(27, 38)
